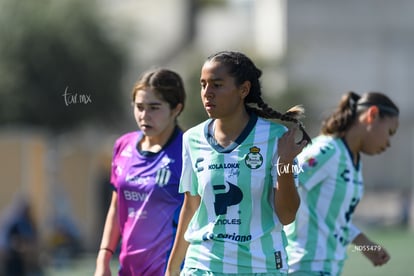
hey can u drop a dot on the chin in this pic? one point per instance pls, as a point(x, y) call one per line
point(369, 152)
point(211, 115)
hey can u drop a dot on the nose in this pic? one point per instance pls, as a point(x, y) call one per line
point(144, 113)
point(207, 91)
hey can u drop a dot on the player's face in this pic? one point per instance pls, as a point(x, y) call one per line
point(153, 115)
point(220, 96)
point(378, 135)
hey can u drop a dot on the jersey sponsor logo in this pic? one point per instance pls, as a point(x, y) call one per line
point(254, 159)
point(223, 166)
point(234, 237)
point(226, 195)
point(135, 196)
point(234, 167)
point(162, 177)
point(132, 213)
point(239, 238)
point(136, 179)
point(228, 221)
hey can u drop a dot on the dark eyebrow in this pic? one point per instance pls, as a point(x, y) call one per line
point(212, 79)
point(151, 104)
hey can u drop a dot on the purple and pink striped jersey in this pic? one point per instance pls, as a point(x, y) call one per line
point(148, 202)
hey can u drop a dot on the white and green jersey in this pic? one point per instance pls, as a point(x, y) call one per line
point(330, 188)
point(235, 229)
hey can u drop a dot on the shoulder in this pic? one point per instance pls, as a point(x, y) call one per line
point(273, 128)
point(127, 139)
point(196, 130)
point(324, 144)
point(322, 148)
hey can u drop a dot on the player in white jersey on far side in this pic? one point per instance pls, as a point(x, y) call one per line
point(331, 185)
point(234, 206)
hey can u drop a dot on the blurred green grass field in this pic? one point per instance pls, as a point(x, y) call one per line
point(399, 243)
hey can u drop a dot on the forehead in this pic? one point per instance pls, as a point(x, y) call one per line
point(214, 70)
point(148, 96)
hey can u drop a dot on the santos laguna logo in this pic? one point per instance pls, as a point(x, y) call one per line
point(254, 159)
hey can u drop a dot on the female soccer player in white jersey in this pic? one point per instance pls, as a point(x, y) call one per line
point(234, 207)
point(146, 168)
point(331, 185)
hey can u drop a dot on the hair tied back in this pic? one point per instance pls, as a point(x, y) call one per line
point(297, 112)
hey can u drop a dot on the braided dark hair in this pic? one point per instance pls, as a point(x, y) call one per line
point(242, 69)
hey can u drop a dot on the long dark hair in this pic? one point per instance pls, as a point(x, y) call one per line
point(242, 69)
point(351, 105)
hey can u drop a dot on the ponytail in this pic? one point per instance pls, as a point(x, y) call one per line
point(343, 116)
point(350, 106)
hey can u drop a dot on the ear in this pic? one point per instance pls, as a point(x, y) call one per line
point(372, 114)
point(245, 89)
point(177, 110)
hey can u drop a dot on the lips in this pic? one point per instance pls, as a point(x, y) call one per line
point(144, 126)
point(209, 105)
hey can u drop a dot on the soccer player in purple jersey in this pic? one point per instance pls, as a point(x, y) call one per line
point(146, 168)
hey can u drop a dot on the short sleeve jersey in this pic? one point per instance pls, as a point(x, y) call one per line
point(330, 188)
point(235, 229)
point(148, 202)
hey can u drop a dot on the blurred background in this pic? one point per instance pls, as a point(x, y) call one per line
point(67, 68)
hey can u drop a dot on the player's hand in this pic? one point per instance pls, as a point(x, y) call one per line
point(377, 257)
point(288, 148)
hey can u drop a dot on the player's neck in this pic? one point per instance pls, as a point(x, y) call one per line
point(226, 130)
point(353, 140)
point(157, 142)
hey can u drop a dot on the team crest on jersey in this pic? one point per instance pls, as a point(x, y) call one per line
point(254, 159)
point(163, 176)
